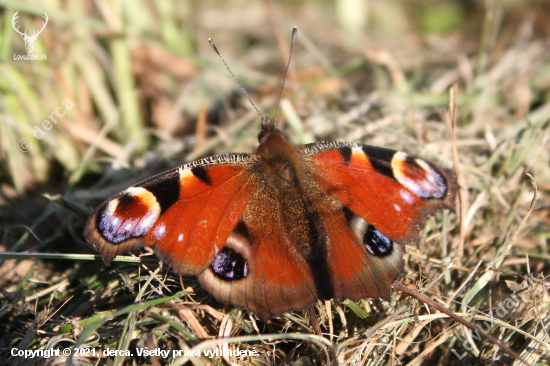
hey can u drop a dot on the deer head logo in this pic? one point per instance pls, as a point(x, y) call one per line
point(29, 40)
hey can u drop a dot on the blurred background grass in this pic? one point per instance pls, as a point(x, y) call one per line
point(150, 94)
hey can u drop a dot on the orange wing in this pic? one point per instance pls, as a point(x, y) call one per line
point(260, 268)
point(186, 214)
point(362, 262)
point(391, 190)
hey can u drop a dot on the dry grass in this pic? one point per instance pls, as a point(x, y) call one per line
point(149, 94)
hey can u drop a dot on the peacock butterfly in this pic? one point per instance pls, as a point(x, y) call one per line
point(275, 230)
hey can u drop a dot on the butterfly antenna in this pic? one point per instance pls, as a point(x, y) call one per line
point(294, 31)
point(237, 81)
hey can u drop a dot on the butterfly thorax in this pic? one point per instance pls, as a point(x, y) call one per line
point(280, 162)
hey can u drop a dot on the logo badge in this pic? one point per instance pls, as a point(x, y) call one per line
point(29, 40)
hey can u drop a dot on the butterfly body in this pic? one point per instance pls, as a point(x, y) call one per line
point(275, 230)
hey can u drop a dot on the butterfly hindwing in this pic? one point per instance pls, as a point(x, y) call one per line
point(393, 191)
point(353, 272)
point(260, 268)
point(185, 214)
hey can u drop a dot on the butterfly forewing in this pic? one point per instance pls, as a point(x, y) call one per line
point(391, 190)
point(185, 214)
